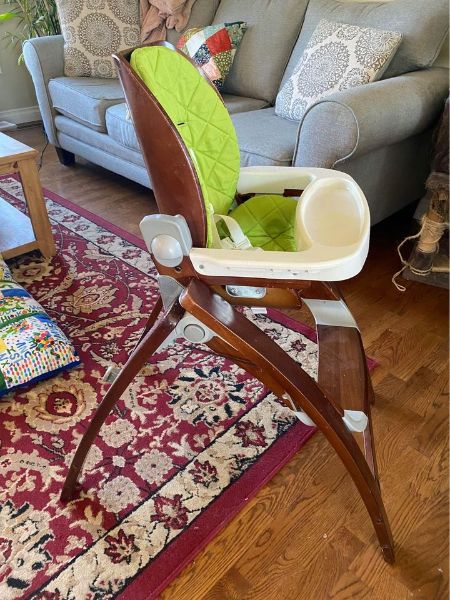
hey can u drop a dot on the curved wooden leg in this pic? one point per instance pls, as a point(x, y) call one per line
point(252, 343)
point(153, 317)
point(150, 342)
point(343, 372)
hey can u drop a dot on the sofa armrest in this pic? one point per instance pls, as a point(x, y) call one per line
point(44, 58)
point(361, 119)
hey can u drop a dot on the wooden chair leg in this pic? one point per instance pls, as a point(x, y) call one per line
point(239, 332)
point(343, 375)
point(150, 342)
point(156, 311)
point(343, 372)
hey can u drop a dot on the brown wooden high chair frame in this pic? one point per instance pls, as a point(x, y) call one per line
point(343, 378)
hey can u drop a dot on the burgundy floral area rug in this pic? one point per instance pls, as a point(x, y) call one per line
point(192, 439)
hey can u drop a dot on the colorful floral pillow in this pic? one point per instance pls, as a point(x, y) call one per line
point(5, 273)
point(338, 56)
point(32, 347)
point(213, 48)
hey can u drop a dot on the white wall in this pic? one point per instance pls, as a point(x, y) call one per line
point(17, 100)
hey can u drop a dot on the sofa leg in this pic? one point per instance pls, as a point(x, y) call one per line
point(66, 158)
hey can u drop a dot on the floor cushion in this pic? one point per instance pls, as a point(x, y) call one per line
point(32, 347)
point(5, 273)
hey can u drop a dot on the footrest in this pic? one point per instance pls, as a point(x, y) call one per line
point(356, 420)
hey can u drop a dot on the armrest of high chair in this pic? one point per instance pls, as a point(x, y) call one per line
point(274, 180)
point(332, 229)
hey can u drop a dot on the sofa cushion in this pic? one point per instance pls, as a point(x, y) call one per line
point(236, 104)
point(338, 56)
point(99, 144)
point(273, 28)
point(202, 14)
point(264, 138)
point(121, 129)
point(85, 99)
point(424, 28)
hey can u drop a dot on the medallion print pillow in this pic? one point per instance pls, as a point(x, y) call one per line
point(338, 56)
point(93, 30)
point(213, 48)
point(32, 347)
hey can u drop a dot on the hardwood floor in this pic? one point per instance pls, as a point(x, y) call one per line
point(306, 535)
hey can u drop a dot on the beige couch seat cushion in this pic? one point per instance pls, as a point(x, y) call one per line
point(121, 129)
point(264, 138)
point(85, 99)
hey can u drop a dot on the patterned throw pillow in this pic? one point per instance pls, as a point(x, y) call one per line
point(32, 346)
point(95, 29)
point(5, 273)
point(213, 48)
point(338, 56)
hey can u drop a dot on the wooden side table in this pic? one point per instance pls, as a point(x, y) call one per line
point(18, 233)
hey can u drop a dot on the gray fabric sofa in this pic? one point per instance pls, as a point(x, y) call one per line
point(378, 133)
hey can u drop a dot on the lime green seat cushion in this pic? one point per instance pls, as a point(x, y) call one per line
point(206, 129)
point(268, 222)
point(201, 119)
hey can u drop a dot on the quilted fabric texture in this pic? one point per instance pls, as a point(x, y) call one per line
point(32, 346)
point(201, 119)
point(95, 29)
point(268, 222)
point(213, 48)
point(205, 126)
point(338, 56)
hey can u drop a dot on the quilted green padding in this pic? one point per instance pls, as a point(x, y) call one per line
point(201, 119)
point(268, 222)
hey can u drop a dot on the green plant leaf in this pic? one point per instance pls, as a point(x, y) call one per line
point(33, 18)
point(7, 16)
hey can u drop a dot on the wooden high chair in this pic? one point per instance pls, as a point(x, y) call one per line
point(257, 236)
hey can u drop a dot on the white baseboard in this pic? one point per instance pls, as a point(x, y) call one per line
point(27, 114)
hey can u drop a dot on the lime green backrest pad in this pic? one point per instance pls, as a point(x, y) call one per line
point(201, 119)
